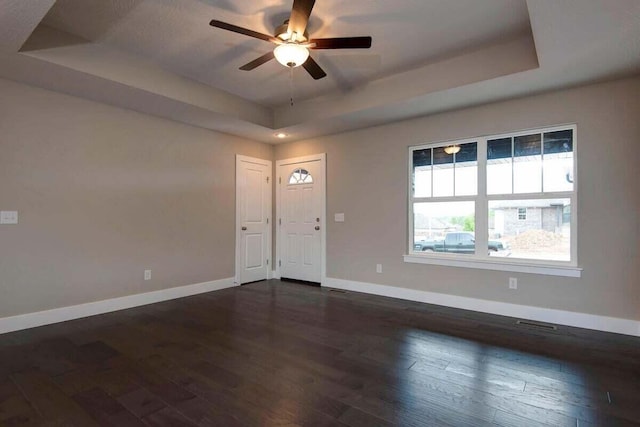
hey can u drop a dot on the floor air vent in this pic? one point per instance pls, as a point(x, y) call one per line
point(340, 291)
point(532, 324)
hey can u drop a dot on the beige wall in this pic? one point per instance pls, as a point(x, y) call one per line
point(367, 180)
point(103, 194)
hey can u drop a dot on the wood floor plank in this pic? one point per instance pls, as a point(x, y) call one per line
point(48, 399)
point(15, 409)
point(203, 414)
point(167, 417)
point(506, 419)
point(356, 418)
point(105, 409)
point(141, 402)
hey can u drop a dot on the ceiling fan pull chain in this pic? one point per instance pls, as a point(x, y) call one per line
point(291, 84)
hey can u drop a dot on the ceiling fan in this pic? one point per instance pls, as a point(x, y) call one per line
point(293, 42)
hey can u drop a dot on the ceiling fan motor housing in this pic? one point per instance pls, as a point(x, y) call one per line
point(282, 32)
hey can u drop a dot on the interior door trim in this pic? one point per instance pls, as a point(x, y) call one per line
point(238, 223)
point(322, 158)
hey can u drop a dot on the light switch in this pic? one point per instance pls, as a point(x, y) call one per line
point(339, 217)
point(8, 217)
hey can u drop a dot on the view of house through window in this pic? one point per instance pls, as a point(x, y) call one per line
point(542, 233)
point(524, 208)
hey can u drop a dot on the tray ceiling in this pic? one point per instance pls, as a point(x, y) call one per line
point(161, 57)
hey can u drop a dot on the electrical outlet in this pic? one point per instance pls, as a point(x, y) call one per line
point(378, 268)
point(513, 283)
point(147, 275)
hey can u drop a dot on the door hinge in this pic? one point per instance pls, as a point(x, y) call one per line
point(279, 263)
point(267, 220)
point(280, 180)
point(267, 180)
point(280, 221)
point(267, 262)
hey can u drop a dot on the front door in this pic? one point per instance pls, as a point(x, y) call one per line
point(300, 219)
point(253, 209)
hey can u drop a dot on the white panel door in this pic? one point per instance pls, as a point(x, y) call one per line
point(253, 192)
point(300, 220)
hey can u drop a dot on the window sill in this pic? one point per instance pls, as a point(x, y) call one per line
point(550, 270)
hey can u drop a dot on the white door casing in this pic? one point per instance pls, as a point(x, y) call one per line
point(253, 227)
point(301, 218)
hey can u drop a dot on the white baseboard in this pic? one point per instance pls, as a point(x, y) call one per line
point(40, 318)
point(540, 314)
point(568, 318)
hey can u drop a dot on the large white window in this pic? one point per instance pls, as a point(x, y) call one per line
point(500, 202)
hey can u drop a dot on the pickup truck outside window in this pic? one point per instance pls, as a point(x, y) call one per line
point(459, 243)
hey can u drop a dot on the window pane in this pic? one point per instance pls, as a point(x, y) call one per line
point(422, 173)
point(499, 149)
point(528, 145)
point(558, 161)
point(527, 164)
point(422, 157)
point(300, 176)
point(422, 181)
point(466, 170)
point(444, 227)
point(532, 229)
point(522, 213)
point(466, 179)
point(442, 173)
point(499, 166)
point(440, 157)
point(468, 153)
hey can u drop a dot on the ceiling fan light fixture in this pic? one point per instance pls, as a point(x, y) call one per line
point(452, 149)
point(291, 54)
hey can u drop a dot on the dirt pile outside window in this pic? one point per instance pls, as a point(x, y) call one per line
point(533, 240)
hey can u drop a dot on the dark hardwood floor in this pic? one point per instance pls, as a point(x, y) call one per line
point(275, 353)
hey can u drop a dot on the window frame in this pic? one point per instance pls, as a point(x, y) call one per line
point(522, 214)
point(481, 259)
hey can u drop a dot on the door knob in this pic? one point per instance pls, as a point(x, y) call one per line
point(244, 228)
point(317, 227)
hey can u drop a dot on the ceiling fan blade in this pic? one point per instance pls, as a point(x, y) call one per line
point(300, 16)
point(240, 30)
point(342, 43)
point(314, 69)
point(258, 61)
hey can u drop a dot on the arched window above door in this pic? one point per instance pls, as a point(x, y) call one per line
point(300, 176)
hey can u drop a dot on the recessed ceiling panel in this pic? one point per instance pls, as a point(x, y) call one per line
point(176, 35)
point(161, 57)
